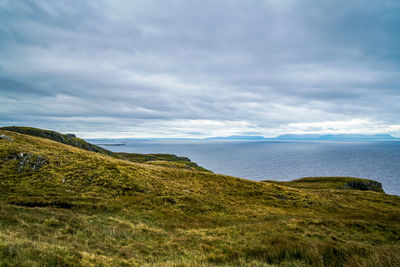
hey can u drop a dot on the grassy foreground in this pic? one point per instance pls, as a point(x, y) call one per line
point(65, 206)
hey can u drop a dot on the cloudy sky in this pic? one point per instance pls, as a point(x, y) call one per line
point(199, 68)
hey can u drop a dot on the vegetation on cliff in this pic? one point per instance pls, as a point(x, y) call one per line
point(63, 205)
point(68, 139)
point(166, 160)
point(344, 183)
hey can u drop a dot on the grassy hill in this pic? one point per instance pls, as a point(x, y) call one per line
point(66, 206)
point(166, 160)
point(68, 139)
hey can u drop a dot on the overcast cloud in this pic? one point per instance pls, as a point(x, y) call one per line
point(202, 68)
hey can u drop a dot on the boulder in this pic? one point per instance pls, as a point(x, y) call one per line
point(5, 137)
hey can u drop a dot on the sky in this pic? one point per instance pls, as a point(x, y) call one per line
point(194, 69)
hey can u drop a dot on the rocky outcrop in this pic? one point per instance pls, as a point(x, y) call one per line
point(5, 137)
point(28, 161)
point(367, 185)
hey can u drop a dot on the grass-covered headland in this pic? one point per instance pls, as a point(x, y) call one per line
point(63, 205)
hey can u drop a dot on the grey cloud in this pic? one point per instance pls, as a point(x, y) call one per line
point(14, 89)
point(258, 64)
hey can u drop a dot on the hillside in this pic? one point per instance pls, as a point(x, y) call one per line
point(62, 205)
point(166, 160)
point(68, 139)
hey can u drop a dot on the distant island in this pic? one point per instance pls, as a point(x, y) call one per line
point(313, 137)
point(237, 137)
point(106, 144)
point(284, 137)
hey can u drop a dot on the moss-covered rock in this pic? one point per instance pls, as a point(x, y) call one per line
point(366, 185)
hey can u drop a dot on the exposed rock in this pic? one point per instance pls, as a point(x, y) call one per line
point(181, 158)
point(364, 185)
point(5, 137)
point(30, 161)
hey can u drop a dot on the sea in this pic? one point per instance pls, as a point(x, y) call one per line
point(280, 160)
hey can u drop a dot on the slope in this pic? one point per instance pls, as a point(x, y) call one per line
point(166, 160)
point(62, 205)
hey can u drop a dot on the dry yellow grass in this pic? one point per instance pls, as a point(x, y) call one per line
point(81, 208)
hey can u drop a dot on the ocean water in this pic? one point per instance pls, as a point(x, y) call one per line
point(283, 161)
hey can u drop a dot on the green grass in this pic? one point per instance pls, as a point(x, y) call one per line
point(58, 137)
point(166, 160)
point(82, 208)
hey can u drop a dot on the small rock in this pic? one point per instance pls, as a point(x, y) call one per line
point(5, 137)
point(63, 180)
point(25, 157)
point(188, 191)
